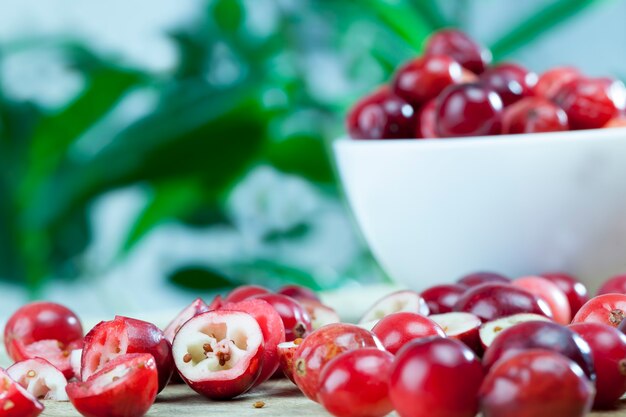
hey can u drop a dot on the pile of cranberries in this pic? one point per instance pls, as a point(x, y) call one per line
point(453, 91)
point(532, 346)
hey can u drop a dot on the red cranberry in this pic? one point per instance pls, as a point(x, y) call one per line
point(478, 278)
point(533, 115)
point(551, 81)
point(427, 120)
point(241, 293)
point(492, 301)
point(381, 115)
point(536, 383)
point(398, 329)
point(425, 77)
point(491, 330)
point(591, 102)
point(463, 327)
point(299, 293)
point(296, 320)
point(512, 82)
point(608, 347)
point(442, 298)
point(355, 384)
point(607, 309)
point(541, 335)
point(550, 293)
point(575, 290)
point(468, 110)
point(435, 377)
point(461, 48)
point(617, 284)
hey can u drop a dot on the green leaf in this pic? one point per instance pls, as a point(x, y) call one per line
point(200, 278)
point(228, 14)
point(304, 155)
point(273, 274)
point(431, 13)
point(545, 19)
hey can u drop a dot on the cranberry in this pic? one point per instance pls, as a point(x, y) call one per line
point(575, 290)
point(404, 300)
point(355, 384)
point(492, 301)
point(442, 298)
point(492, 329)
point(243, 292)
point(286, 353)
point(461, 48)
point(512, 82)
point(463, 327)
point(299, 293)
point(533, 115)
point(435, 377)
point(323, 345)
point(397, 329)
point(541, 335)
point(468, 110)
point(15, 400)
point(196, 307)
point(478, 278)
point(591, 102)
point(296, 320)
point(536, 383)
point(382, 115)
point(550, 293)
point(426, 121)
point(425, 77)
point(40, 378)
point(616, 284)
point(320, 314)
point(608, 347)
point(551, 81)
point(607, 309)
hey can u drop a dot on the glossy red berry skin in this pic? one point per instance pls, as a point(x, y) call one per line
point(398, 329)
point(299, 293)
point(382, 115)
point(468, 110)
point(461, 48)
point(425, 77)
point(355, 384)
point(435, 377)
point(536, 383)
point(551, 81)
point(575, 290)
point(608, 347)
point(427, 121)
point(533, 115)
point(512, 82)
point(550, 293)
point(16, 401)
point(609, 309)
point(442, 298)
point(296, 320)
point(478, 278)
point(243, 292)
point(541, 335)
point(616, 284)
point(591, 102)
point(492, 301)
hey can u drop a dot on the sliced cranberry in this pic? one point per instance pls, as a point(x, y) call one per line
point(426, 120)
point(511, 81)
point(550, 293)
point(196, 307)
point(491, 330)
point(286, 353)
point(575, 290)
point(442, 298)
point(533, 115)
point(40, 378)
point(296, 320)
point(320, 314)
point(425, 77)
point(616, 284)
point(404, 300)
point(15, 401)
point(478, 278)
point(398, 329)
point(609, 309)
point(382, 115)
point(551, 81)
point(461, 48)
point(468, 110)
point(463, 327)
point(243, 292)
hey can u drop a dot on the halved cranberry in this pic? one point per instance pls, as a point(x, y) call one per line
point(492, 329)
point(15, 401)
point(616, 284)
point(125, 387)
point(550, 293)
point(607, 309)
point(461, 48)
point(463, 327)
point(40, 378)
point(355, 384)
point(442, 298)
point(427, 120)
point(244, 292)
point(591, 102)
point(551, 81)
point(219, 353)
point(536, 383)
point(435, 377)
point(511, 81)
point(404, 300)
point(425, 77)
point(296, 320)
point(299, 293)
point(109, 339)
point(196, 307)
point(397, 329)
point(320, 314)
point(575, 290)
point(533, 115)
point(286, 353)
point(382, 115)
point(478, 278)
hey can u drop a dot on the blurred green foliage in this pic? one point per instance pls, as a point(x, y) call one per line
point(208, 127)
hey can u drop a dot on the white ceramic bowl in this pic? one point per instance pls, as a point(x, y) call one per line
point(434, 210)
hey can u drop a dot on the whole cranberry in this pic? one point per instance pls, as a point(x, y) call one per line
point(355, 384)
point(425, 77)
point(468, 110)
point(575, 290)
point(299, 293)
point(616, 284)
point(241, 293)
point(296, 320)
point(536, 383)
point(492, 301)
point(550, 293)
point(591, 102)
point(512, 82)
point(382, 115)
point(461, 48)
point(426, 120)
point(541, 335)
point(321, 346)
point(442, 298)
point(435, 377)
point(533, 115)
point(551, 81)
point(609, 309)
point(398, 329)
point(478, 278)
point(608, 347)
